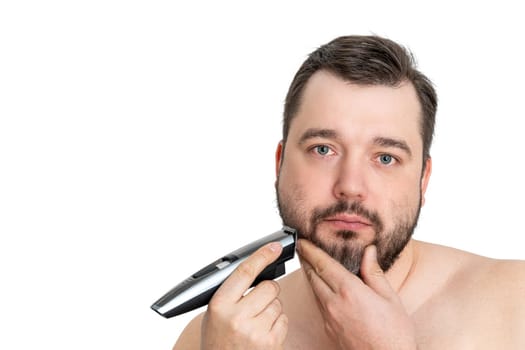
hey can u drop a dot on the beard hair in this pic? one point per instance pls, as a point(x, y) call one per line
point(350, 252)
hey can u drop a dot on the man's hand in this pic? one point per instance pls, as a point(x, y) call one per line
point(358, 314)
point(252, 321)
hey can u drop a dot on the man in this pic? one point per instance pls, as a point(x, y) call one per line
point(352, 171)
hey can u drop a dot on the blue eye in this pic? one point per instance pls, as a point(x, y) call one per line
point(322, 150)
point(386, 159)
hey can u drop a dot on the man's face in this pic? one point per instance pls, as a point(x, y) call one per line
point(350, 174)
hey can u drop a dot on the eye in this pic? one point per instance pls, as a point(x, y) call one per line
point(322, 150)
point(386, 159)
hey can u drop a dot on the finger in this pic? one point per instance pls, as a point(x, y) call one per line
point(242, 278)
point(259, 297)
point(321, 290)
point(373, 275)
point(267, 317)
point(280, 329)
point(329, 270)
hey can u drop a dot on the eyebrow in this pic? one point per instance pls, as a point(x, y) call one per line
point(314, 132)
point(390, 142)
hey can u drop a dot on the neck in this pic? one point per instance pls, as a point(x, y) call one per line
point(403, 268)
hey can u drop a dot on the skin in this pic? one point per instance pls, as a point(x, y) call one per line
point(433, 297)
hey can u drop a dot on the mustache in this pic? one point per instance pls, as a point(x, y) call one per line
point(342, 207)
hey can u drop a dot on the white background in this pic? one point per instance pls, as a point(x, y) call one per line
point(137, 144)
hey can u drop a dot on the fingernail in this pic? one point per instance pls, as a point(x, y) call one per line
point(274, 246)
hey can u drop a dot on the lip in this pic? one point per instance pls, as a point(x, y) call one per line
point(348, 222)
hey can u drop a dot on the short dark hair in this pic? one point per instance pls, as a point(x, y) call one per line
point(366, 60)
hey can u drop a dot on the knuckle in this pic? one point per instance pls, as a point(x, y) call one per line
point(278, 305)
point(345, 293)
point(263, 258)
point(236, 324)
point(310, 274)
point(318, 266)
point(214, 306)
point(270, 286)
point(246, 270)
point(329, 329)
point(332, 308)
point(263, 253)
point(271, 342)
point(275, 308)
point(284, 320)
point(258, 340)
point(280, 329)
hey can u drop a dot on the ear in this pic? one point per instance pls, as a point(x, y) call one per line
point(425, 177)
point(278, 157)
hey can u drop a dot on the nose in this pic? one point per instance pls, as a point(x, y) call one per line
point(351, 182)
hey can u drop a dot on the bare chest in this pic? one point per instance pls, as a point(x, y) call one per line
point(440, 329)
point(465, 324)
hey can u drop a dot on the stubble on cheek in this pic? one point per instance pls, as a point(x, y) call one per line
point(291, 203)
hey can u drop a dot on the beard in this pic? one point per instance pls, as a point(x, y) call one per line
point(347, 249)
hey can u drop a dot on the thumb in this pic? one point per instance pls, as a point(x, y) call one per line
point(373, 275)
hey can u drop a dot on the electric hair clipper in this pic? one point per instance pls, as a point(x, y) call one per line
point(198, 289)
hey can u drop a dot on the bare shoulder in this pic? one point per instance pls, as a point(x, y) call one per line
point(504, 280)
point(475, 275)
point(500, 294)
point(507, 281)
point(510, 273)
point(191, 335)
point(469, 266)
point(490, 282)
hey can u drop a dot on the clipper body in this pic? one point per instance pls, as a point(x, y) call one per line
point(198, 289)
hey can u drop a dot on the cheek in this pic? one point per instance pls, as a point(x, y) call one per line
point(403, 201)
point(404, 206)
point(300, 170)
point(290, 174)
point(302, 184)
point(291, 188)
point(297, 191)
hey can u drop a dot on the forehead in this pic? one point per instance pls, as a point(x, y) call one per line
point(358, 111)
